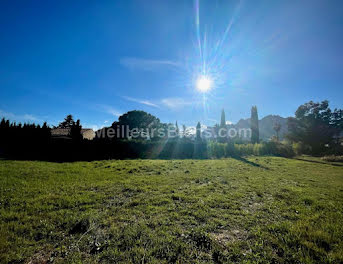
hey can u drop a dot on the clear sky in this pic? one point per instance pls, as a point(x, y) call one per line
point(98, 59)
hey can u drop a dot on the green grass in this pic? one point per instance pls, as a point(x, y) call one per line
point(254, 210)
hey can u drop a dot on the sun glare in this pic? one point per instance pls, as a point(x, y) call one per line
point(204, 84)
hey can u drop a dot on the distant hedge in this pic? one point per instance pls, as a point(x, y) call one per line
point(220, 150)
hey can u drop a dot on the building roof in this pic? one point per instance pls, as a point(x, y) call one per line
point(64, 132)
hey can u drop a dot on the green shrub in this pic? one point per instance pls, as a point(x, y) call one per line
point(230, 150)
point(300, 148)
point(216, 150)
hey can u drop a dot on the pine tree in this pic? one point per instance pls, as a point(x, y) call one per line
point(255, 134)
point(67, 123)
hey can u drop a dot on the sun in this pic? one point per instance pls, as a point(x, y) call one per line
point(204, 84)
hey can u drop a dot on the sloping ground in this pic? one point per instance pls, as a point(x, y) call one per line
point(254, 210)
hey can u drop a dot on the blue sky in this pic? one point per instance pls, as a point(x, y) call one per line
point(99, 59)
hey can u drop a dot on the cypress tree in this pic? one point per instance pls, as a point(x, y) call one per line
point(255, 134)
point(222, 119)
point(177, 129)
point(223, 130)
point(198, 132)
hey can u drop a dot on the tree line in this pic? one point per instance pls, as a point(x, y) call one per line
point(315, 129)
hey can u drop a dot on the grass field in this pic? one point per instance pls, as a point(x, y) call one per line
point(253, 210)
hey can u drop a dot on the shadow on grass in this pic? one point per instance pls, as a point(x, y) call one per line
point(320, 162)
point(250, 162)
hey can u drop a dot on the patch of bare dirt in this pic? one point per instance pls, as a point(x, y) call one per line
point(230, 236)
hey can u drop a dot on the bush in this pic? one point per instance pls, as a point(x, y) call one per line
point(300, 148)
point(245, 149)
point(216, 150)
point(230, 150)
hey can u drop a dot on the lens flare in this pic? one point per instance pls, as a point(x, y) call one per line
point(204, 84)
